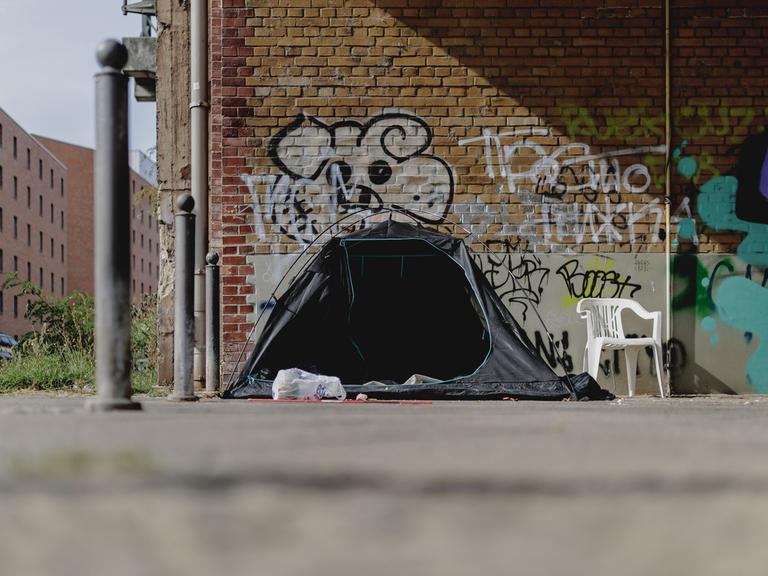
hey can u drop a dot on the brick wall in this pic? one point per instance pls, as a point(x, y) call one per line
point(33, 200)
point(537, 125)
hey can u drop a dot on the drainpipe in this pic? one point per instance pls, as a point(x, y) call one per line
point(668, 190)
point(199, 158)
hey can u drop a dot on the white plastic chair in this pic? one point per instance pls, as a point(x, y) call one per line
point(604, 331)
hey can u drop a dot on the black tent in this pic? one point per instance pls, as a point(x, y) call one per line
point(380, 305)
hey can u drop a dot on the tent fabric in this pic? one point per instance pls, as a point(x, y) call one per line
point(379, 305)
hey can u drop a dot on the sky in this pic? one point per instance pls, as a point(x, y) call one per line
point(47, 65)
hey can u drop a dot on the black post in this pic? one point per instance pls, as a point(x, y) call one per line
point(112, 234)
point(212, 317)
point(184, 321)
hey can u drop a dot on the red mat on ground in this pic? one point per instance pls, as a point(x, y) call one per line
point(343, 402)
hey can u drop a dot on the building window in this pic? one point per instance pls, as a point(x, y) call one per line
point(1, 303)
point(29, 271)
point(15, 263)
point(29, 197)
point(51, 178)
point(51, 212)
point(61, 220)
point(53, 284)
point(29, 235)
point(133, 261)
point(142, 265)
point(15, 188)
point(150, 268)
point(40, 168)
point(1, 135)
point(1, 177)
point(1, 218)
point(41, 241)
point(29, 160)
point(61, 183)
point(142, 241)
point(133, 236)
point(61, 285)
point(53, 251)
point(1, 260)
point(61, 246)
point(42, 286)
point(150, 244)
point(142, 287)
point(15, 149)
point(40, 205)
point(15, 227)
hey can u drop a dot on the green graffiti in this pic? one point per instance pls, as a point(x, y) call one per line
point(717, 208)
point(743, 304)
point(690, 123)
point(694, 292)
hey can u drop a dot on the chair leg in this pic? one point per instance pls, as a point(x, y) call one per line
point(659, 372)
point(630, 355)
point(585, 360)
point(594, 360)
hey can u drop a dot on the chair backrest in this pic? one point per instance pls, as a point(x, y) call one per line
point(603, 316)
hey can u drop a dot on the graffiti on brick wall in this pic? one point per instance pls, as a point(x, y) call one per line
point(728, 298)
point(571, 194)
point(691, 124)
point(327, 171)
point(518, 279)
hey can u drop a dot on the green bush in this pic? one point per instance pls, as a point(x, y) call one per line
point(59, 353)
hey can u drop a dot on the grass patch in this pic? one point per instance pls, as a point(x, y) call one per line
point(58, 354)
point(47, 371)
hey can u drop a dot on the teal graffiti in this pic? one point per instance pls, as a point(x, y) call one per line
point(717, 208)
point(708, 324)
point(687, 228)
point(743, 304)
point(687, 167)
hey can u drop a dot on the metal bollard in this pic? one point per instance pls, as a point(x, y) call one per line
point(212, 317)
point(184, 323)
point(112, 234)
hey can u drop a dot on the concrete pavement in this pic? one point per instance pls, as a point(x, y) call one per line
point(640, 486)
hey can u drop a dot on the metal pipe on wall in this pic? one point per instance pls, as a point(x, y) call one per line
point(199, 107)
point(668, 189)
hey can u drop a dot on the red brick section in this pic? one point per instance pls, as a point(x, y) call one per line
point(79, 221)
point(720, 93)
point(590, 72)
point(32, 198)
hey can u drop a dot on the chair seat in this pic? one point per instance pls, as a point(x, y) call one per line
point(620, 343)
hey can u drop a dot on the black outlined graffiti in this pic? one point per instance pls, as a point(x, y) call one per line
point(582, 283)
point(554, 351)
point(328, 170)
point(518, 279)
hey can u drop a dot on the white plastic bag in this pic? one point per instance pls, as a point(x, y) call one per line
point(296, 384)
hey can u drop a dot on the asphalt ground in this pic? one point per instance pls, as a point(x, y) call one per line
point(631, 487)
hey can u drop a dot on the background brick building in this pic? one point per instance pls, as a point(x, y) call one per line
point(540, 127)
point(145, 252)
point(46, 221)
point(33, 226)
